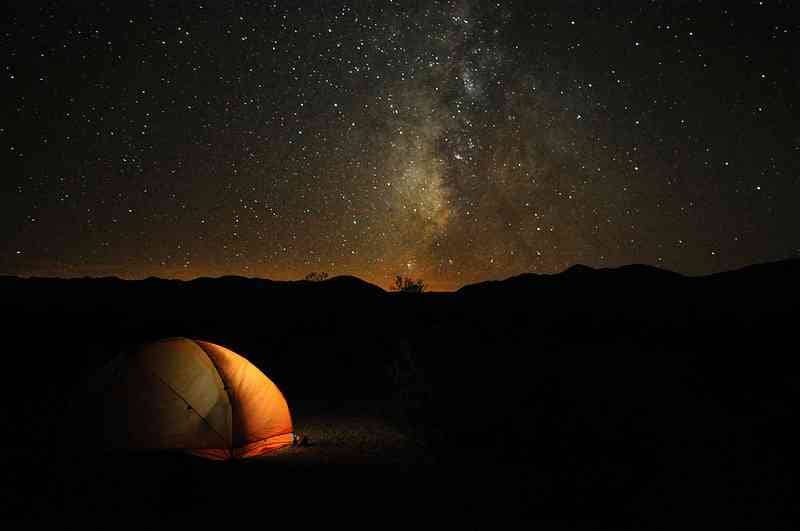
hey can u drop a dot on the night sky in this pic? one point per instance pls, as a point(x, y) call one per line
point(451, 141)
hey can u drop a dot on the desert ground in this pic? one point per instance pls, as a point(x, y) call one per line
point(592, 399)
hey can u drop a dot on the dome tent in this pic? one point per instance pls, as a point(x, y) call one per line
point(188, 394)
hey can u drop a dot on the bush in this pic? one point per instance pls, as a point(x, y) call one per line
point(315, 276)
point(407, 285)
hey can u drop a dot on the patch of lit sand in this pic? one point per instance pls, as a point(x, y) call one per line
point(352, 432)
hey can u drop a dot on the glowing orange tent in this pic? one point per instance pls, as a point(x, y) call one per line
point(188, 394)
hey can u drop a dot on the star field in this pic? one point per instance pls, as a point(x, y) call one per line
point(452, 141)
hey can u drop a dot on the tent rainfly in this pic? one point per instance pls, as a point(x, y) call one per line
point(188, 394)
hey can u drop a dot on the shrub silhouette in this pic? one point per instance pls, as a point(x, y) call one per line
point(316, 276)
point(408, 285)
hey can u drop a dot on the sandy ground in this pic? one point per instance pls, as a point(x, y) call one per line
point(62, 483)
point(391, 484)
point(352, 432)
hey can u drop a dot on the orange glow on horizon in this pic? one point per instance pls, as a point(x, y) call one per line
point(187, 274)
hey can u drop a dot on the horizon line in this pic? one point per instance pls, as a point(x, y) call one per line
point(573, 267)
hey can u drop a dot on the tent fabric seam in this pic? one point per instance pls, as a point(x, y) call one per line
point(225, 384)
point(225, 387)
point(191, 407)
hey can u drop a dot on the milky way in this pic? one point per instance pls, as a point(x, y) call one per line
point(451, 141)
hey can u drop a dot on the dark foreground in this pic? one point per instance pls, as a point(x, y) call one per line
point(592, 399)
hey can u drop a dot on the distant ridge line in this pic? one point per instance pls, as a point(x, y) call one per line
point(576, 271)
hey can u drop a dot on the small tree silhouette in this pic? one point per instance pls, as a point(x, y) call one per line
point(315, 276)
point(407, 285)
